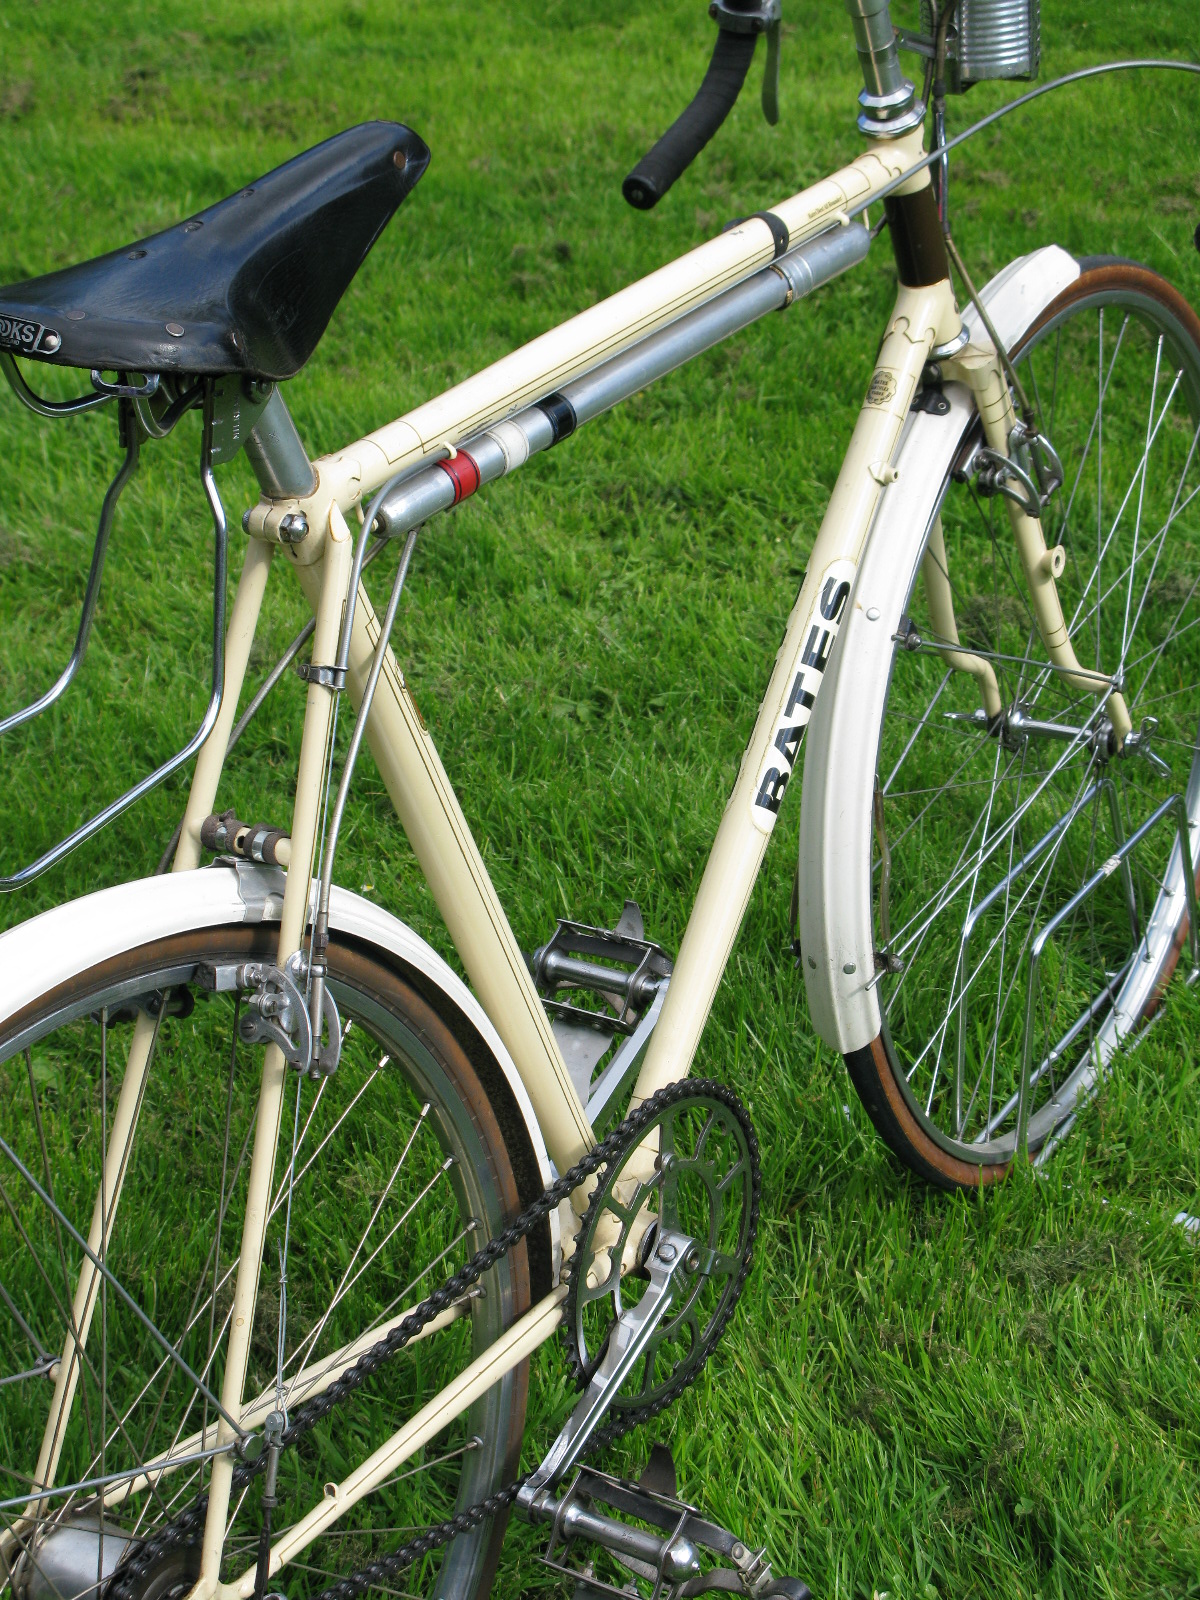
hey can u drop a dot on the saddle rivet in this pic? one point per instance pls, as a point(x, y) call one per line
point(399, 160)
point(76, 316)
point(191, 227)
point(135, 255)
point(175, 329)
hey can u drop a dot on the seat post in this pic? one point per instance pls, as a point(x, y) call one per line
point(279, 459)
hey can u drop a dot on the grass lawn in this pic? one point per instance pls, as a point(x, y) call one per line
point(920, 1395)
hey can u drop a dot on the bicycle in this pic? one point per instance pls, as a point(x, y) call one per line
point(490, 1094)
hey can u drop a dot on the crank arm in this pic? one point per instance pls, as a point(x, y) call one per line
point(674, 1255)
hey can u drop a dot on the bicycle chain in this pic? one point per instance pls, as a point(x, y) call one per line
point(184, 1529)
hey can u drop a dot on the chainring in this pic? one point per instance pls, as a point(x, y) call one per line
point(693, 1168)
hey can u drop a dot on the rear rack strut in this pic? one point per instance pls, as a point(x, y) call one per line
point(131, 440)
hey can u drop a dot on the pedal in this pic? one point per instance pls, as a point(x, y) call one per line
point(610, 1537)
point(627, 976)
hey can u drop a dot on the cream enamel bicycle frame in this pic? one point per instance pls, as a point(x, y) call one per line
point(430, 813)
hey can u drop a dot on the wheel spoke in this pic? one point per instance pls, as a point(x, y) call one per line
point(993, 829)
point(388, 1175)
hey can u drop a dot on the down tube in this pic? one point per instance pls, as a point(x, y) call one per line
point(922, 318)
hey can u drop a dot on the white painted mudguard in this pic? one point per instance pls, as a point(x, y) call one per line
point(836, 932)
point(49, 950)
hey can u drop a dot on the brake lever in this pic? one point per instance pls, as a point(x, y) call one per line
point(756, 16)
point(770, 88)
point(739, 22)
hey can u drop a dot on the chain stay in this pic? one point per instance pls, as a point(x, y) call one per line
point(138, 1565)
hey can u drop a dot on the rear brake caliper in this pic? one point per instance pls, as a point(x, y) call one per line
point(276, 1011)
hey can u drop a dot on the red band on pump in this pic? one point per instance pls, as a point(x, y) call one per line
point(463, 474)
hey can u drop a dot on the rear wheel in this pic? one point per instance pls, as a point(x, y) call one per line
point(987, 833)
point(401, 1173)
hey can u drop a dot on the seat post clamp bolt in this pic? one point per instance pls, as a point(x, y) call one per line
point(293, 528)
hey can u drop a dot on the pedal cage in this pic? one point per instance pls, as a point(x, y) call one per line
point(575, 958)
point(644, 1531)
point(629, 974)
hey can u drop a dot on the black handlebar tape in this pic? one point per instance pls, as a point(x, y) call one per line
point(690, 132)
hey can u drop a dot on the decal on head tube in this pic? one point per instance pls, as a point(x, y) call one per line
point(882, 390)
point(816, 641)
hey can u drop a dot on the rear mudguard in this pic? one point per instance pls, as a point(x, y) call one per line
point(53, 948)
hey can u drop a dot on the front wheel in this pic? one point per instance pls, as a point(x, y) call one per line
point(401, 1173)
point(995, 837)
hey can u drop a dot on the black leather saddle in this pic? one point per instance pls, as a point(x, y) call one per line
point(247, 286)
